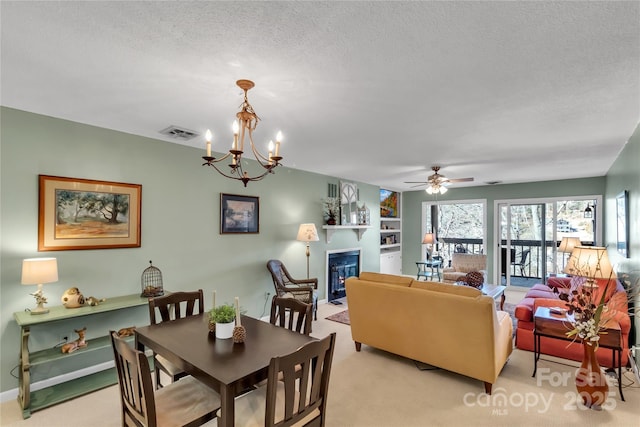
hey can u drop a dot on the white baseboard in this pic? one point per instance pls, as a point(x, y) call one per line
point(13, 393)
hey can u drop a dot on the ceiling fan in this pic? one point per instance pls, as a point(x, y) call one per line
point(437, 183)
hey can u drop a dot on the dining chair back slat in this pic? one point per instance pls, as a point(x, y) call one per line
point(292, 314)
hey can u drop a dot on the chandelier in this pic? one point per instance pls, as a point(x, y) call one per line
point(435, 188)
point(244, 125)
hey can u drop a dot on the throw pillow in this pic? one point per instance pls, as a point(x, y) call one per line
point(474, 279)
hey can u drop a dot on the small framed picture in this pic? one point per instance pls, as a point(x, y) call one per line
point(79, 213)
point(239, 214)
point(622, 223)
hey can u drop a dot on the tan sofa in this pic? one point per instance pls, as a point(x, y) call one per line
point(461, 264)
point(452, 327)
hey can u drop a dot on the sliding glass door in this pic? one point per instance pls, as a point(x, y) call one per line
point(528, 235)
point(522, 243)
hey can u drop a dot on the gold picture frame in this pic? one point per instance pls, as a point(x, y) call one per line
point(76, 213)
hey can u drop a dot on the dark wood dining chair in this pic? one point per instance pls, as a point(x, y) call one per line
point(165, 309)
point(296, 390)
point(186, 402)
point(292, 314)
point(285, 285)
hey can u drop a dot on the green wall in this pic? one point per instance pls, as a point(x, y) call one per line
point(180, 224)
point(180, 228)
point(624, 174)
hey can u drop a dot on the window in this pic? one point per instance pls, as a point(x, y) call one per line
point(459, 226)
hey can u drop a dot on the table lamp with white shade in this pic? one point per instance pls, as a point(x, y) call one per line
point(38, 271)
point(429, 239)
point(591, 262)
point(307, 233)
point(566, 246)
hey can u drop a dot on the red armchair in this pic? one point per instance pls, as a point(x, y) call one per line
point(541, 295)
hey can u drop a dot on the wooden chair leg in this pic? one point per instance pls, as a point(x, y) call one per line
point(487, 387)
point(158, 384)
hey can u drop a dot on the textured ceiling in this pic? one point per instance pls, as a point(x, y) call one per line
point(370, 91)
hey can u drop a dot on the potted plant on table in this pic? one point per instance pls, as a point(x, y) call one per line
point(223, 317)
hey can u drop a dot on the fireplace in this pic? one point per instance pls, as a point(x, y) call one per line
point(341, 264)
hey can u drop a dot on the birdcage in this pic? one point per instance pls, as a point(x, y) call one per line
point(152, 282)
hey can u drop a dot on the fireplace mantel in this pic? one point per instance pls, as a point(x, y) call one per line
point(359, 229)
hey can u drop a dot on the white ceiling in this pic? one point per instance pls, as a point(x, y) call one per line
point(369, 91)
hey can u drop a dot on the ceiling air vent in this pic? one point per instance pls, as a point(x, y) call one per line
point(182, 134)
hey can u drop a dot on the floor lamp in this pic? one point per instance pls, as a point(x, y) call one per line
point(307, 233)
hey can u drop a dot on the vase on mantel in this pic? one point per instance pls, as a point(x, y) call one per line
point(591, 382)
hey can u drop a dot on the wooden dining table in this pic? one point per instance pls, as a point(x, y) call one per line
point(226, 367)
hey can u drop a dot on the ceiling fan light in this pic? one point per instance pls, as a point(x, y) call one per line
point(443, 189)
point(429, 190)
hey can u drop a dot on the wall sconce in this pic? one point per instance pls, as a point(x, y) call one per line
point(588, 212)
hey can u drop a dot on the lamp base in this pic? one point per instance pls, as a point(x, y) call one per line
point(39, 310)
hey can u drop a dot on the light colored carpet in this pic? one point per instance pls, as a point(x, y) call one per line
point(375, 388)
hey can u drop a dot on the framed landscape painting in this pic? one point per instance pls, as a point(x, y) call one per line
point(239, 214)
point(76, 213)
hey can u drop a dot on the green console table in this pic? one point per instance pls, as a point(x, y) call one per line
point(34, 400)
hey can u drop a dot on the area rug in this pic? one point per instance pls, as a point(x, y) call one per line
point(342, 317)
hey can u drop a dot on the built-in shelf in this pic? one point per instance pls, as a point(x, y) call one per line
point(359, 230)
point(395, 245)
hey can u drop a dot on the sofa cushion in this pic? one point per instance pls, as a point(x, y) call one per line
point(559, 282)
point(467, 263)
point(465, 291)
point(391, 279)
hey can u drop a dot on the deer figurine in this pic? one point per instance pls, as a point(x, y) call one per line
point(77, 344)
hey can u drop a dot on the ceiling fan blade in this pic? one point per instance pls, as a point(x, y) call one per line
point(460, 180)
point(419, 185)
point(415, 182)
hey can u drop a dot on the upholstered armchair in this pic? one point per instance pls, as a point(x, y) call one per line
point(288, 287)
point(461, 264)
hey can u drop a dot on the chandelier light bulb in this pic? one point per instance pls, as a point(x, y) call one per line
point(208, 136)
point(236, 127)
point(279, 136)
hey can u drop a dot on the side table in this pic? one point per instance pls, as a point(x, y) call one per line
point(550, 325)
point(426, 269)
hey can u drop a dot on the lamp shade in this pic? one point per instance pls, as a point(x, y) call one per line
point(307, 233)
point(429, 239)
point(591, 262)
point(568, 243)
point(36, 271)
